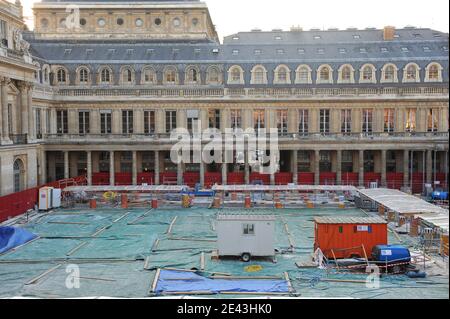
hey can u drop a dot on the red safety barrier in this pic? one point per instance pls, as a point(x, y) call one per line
point(263, 178)
point(283, 178)
point(123, 179)
point(305, 178)
point(168, 178)
point(212, 178)
point(394, 180)
point(100, 179)
point(371, 177)
point(191, 178)
point(417, 183)
point(327, 178)
point(350, 179)
point(236, 178)
point(16, 204)
point(146, 178)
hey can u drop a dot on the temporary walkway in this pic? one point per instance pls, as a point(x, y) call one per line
point(124, 189)
point(283, 188)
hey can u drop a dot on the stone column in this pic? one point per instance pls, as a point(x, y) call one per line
point(224, 173)
point(89, 167)
point(23, 107)
point(4, 122)
point(429, 167)
point(247, 168)
point(31, 117)
point(112, 169)
point(66, 165)
point(295, 166)
point(134, 168)
point(202, 173)
point(339, 167)
point(156, 167)
point(43, 167)
point(361, 167)
point(383, 168)
point(317, 167)
point(180, 173)
point(406, 168)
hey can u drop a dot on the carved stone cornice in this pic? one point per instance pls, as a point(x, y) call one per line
point(4, 80)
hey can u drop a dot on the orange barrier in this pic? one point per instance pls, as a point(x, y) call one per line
point(248, 202)
point(124, 201)
point(93, 203)
point(154, 203)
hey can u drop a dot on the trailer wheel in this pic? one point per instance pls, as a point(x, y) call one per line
point(246, 257)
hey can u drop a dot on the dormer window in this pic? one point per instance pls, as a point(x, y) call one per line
point(280, 51)
point(426, 49)
point(258, 52)
point(405, 49)
point(278, 37)
point(342, 51)
point(320, 51)
point(362, 50)
point(235, 38)
point(317, 37)
point(301, 51)
point(356, 36)
point(235, 52)
point(384, 50)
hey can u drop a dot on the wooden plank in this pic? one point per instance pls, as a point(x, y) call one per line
point(99, 279)
point(121, 217)
point(140, 217)
point(193, 239)
point(202, 261)
point(68, 223)
point(75, 249)
point(155, 244)
point(247, 277)
point(36, 279)
point(335, 259)
point(365, 254)
point(169, 230)
point(343, 280)
point(147, 261)
point(155, 280)
point(288, 280)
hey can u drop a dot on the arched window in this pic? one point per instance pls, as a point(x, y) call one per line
point(236, 75)
point(259, 75)
point(389, 73)
point(213, 75)
point(303, 75)
point(46, 77)
point(346, 74)
point(411, 73)
point(149, 76)
point(83, 76)
point(105, 76)
point(192, 75)
point(325, 74)
point(61, 76)
point(170, 75)
point(282, 75)
point(18, 175)
point(367, 74)
point(434, 72)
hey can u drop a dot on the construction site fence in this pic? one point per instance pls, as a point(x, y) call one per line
point(15, 204)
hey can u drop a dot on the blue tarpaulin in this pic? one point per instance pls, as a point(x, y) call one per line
point(179, 281)
point(11, 237)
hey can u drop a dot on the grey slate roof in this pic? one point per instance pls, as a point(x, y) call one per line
point(298, 47)
point(349, 220)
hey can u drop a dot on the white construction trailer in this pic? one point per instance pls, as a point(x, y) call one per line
point(246, 236)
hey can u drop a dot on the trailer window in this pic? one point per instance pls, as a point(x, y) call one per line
point(341, 229)
point(249, 229)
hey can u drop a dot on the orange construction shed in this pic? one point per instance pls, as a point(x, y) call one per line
point(346, 237)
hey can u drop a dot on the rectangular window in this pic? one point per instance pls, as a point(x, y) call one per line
point(193, 122)
point(432, 120)
point(214, 119)
point(282, 121)
point(346, 121)
point(303, 121)
point(236, 119)
point(149, 122)
point(83, 122)
point(324, 121)
point(3, 32)
point(389, 120)
point(127, 122)
point(249, 229)
point(10, 127)
point(105, 122)
point(61, 122)
point(367, 118)
point(47, 121)
point(410, 125)
point(347, 161)
point(259, 119)
point(171, 121)
point(304, 161)
point(38, 126)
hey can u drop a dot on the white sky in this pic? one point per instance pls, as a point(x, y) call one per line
point(231, 16)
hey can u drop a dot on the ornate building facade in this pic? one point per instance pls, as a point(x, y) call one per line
point(96, 89)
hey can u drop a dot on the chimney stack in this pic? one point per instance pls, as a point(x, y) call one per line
point(388, 33)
